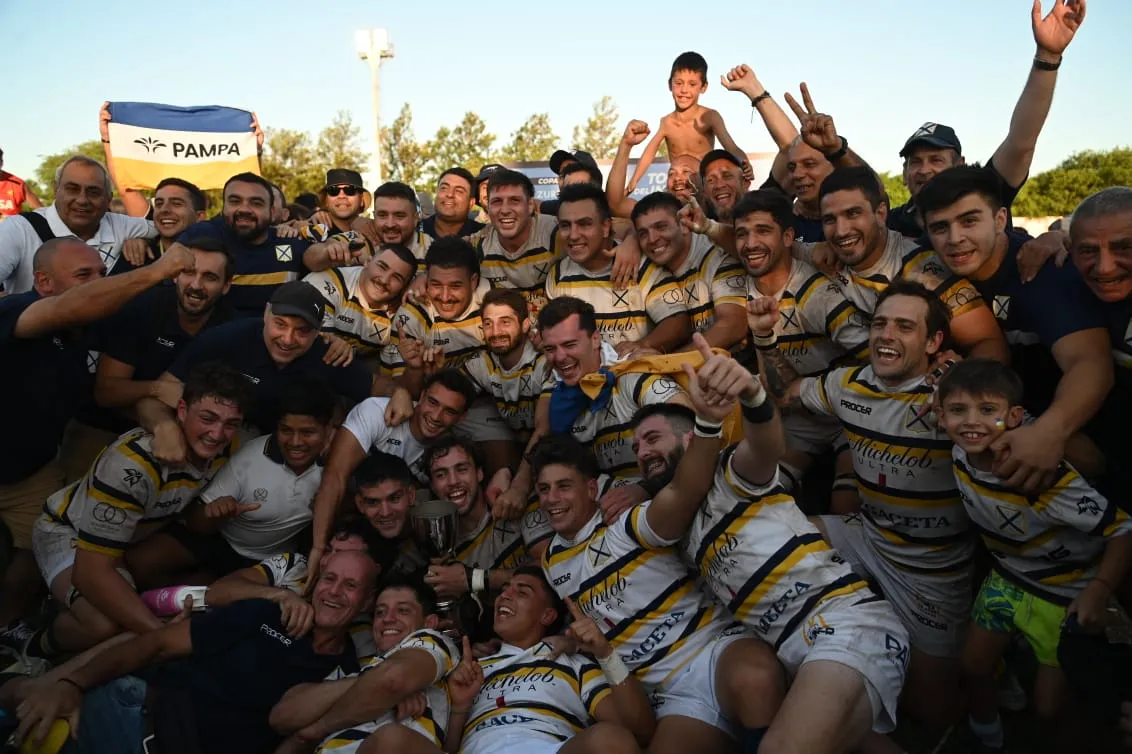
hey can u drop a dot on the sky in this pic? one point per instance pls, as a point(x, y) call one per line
point(879, 67)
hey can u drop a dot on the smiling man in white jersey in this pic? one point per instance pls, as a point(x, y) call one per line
point(707, 676)
point(843, 646)
point(912, 534)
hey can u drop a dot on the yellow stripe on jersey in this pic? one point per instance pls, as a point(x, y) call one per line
point(620, 635)
point(616, 570)
point(265, 278)
point(706, 618)
point(789, 561)
point(853, 382)
point(113, 498)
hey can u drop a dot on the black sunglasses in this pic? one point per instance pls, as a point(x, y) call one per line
point(347, 190)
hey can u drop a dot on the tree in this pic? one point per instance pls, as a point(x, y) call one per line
point(534, 140)
point(338, 145)
point(289, 161)
point(898, 193)
point(403, 158)
point(44, 183)
point(599, 135)
point(468, 145)
point(1057, 192)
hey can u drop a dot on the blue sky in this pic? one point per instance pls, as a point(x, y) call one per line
point(880, 67)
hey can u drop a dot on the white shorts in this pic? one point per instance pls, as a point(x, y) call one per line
point(690, 691)
point(347, 741)
point(934, 607)
point(867, 637)
point(483, 423)
point(514, 742)
point(811, 434)
point(54, 548)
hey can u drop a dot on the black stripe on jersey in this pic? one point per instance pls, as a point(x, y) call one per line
point(143, 454)
point(551, 710)
point(767, 568)
point(1107, 518)
point(115, 493)
point(539, 663)
point(855, 378)
point(737, 511)
point(627, 622)
point(180, 476)
point(1002, 539)
point(97, 541)
point(982, 484)
point(941, 495)
point(608, 570)
point(636, 396)
point(949, 539)
point(812, 601)
point(1030, 586)
point(926, 443)
point(352, 734)
point(807, 284)
point(695, 624)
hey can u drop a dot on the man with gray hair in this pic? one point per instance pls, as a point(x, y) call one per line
point(82, 201)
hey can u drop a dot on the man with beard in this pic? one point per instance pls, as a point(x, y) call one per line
point(912, 534)
point(413, 657)
point(721, 174)
point(361, 300)
point(1059, 337)
point(455, 192)
point(934, 147)
point(682, 172)
point(445, 397)
point(444, 330)
point(263, 260)
point(126, 496)
point(282, 345)
point(524, 698)
point(487, 551)
point(711, 283)
point(395, 220)
point(517, 249)
point(648, 315)
point(215, 676)
point(853, 211)
point(843, 647)
point(177, 204)
point(80, 209)
point(145, 338)
point(818, 328)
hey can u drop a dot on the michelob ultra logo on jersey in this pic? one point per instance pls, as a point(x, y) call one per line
point(204, 145)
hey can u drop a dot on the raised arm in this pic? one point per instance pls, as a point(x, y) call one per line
point(30, 199)
point(742, 79)
point(646, 157)
point(782, 379)
point(713, 389)
point(345, 455)
point(764, 441)
point(1052, 34)
point(136, 203)
point(820, 132)
point(615, 191)
point(304, 704)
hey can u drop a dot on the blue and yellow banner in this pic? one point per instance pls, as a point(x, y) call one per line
point(204, 145)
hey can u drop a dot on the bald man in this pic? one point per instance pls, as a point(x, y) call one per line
point(43, 376)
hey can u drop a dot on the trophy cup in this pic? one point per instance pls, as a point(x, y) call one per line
point(435, 524)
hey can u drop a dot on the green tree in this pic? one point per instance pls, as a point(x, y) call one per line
point(1057, 192)
point(898, 193)
point(44, 182)
point(338, 145)
point(289, 161)
point(534, 140)
point(403, 158)
point(599, 135)
point(468, 145)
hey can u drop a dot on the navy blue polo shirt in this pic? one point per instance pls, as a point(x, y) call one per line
point(43, 381)
point(470, 226)
point(242, 663)
point(123, 265)
point(239, 344)
point(806, 230)
point(1036, 315)
point(259, 268)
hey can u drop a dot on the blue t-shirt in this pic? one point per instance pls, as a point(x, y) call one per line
point(239, 344)
point(259, 268)
point(242, 663)
point(43, 381)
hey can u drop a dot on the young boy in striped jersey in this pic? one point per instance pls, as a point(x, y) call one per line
point(1058, 554)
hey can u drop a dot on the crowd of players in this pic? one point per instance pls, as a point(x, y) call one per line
point(219, 429)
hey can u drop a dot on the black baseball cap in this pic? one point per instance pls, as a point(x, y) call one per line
point(718, 154)
point(299, 299)
point(487, 170)
point(561, 156)
point(933, 135)
point(344, 177)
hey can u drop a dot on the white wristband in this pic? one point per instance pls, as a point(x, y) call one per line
point(479, 580)
point(764, 341)
point(614, 669)
point(707, 428)
point(759, 397)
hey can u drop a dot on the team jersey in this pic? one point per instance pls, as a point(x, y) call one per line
point(347, 316)
point(708, 278)
point(433, 724)
point(526, 269)
point(609, 430)
point(13, 194)
point(904, 258)
point(366, 422)
point(902, 462)
point(635, 586)
point(516, 390)
point(526, 691)
point(1050, 543)
point(626, 314)
point(127, 495)
point(817, 323)
point(504, 544)
point(460, 338)
point(762, 559)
